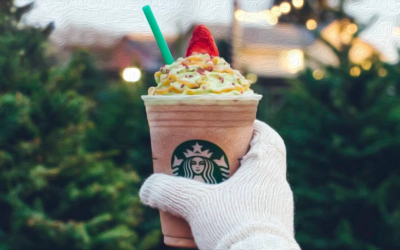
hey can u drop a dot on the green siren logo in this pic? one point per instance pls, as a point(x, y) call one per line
point(200, 160)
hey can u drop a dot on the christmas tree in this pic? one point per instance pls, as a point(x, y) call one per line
point(341, 126)
point(56, 190)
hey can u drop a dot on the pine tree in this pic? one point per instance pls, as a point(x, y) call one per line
point(55, 193)
point(341, 126)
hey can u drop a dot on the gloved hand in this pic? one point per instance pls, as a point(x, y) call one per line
point(251, 210)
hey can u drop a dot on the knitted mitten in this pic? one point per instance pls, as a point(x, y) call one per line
point(251, 210)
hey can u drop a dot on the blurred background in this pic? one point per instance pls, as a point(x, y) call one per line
point(74, 139)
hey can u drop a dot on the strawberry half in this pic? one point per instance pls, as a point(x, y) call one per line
point(202, 42)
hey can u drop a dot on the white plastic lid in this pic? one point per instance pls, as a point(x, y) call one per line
point(200, 97)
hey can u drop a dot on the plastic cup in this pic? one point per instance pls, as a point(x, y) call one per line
point(202, 137)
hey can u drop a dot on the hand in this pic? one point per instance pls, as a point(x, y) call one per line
point(251, 210)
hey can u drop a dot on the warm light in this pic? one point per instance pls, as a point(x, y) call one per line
point(318, 74)
point(131, 74)
point(333, 3)
point(331, 34)
point(276, 11)
point(366, 65)
point(271, 18)
point(251, 77)
point(382, 72)
point(360, 51)
point(355, 71)
point(345, 38)
point(298, 3)
point(396, 31)
point(295, 60)
point(254, 17)
point(351, 28)
point(239, 14)
point(311, 24)
point(285, 7)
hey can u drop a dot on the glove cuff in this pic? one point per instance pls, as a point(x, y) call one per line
point(261, 241)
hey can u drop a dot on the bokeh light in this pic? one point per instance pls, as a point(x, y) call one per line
point(295, 60)
point(396, 31)
point(318, 74)
point(298, 3)
point(276, 11)
point(351, 28)
point(345, 38)
point(285, 7)
point(360, 51)
point(355, 71)
point(366, 65)
point(382, 72)
point(239, 15)
point(311, 24)
point(254, 17)
point(271, 18)
point(131, 74)
point(252, 77)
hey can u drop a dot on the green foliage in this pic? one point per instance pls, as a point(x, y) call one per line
point(62, 186)
point(342, 136)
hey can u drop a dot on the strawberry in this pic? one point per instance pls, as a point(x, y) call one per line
point(202, 42)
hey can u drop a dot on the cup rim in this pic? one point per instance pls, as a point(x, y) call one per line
point(201, 97)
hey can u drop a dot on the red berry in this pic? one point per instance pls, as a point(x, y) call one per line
point(209, 68)
point(201, 71)
point(167, 71)
point(183, 85)
point(233, 84)
point(221, 79)
point(202, 42)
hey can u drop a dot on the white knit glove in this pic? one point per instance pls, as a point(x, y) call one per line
point(251, 210)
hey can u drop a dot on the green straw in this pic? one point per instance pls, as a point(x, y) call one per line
point(157, 35)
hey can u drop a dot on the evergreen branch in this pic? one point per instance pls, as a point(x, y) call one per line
point(23, 10)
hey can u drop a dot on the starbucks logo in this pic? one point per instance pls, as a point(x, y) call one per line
point(200, 160)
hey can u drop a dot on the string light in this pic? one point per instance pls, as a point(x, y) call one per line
point(360, 51)
point(396, 31)
point(355, 71)
point(351, 28)
point(239, 14)
point(285, 7)
point(311, 24)
point(276, 11)
point(318, 74)
point(382, 72)
point(345, 38)
point(295, 60)
point(131, 74)
point(366, 65)
point(298, 3)
point(333, 3)
point(271, 19)
point(254, 17)
point(252, 77)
